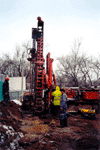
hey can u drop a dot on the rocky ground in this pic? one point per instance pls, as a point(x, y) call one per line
point(19, 131)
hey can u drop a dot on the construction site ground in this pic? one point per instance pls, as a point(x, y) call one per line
point(21, 131)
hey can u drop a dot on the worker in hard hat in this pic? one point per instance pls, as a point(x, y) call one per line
point(56, 101)
point(6, 89)
point(63, 108)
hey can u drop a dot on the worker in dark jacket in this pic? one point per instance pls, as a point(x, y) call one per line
point(63, 108)
point(6, 89)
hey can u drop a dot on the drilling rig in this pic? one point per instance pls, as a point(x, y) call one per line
point(44, 79)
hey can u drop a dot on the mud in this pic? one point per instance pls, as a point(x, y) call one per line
point(26, 131)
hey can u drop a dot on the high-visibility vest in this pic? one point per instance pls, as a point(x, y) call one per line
point(57, 100)
point(57, 96)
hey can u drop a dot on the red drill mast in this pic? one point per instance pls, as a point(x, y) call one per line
point(43, 78)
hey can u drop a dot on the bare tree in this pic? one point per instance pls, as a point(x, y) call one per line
point(96, 69)
point(69, 65)
point(86, 70)
point(6, 65)
point(76, 67)
point(59, 79)
point(13, 66)
point(20, 59)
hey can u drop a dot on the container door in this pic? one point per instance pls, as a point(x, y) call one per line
point(1, 91)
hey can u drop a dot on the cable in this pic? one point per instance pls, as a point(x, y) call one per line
point(75, 116)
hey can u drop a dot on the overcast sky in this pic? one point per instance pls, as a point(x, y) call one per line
point(64, 20)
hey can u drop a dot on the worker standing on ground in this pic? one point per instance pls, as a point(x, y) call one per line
point(56, 101)
point(6, 89)
point(63, 108)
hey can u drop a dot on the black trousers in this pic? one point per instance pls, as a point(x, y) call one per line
point(6, 98)
point(56, 110)
point(63, 119)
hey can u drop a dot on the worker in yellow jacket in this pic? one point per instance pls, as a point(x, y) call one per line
point(56, 102)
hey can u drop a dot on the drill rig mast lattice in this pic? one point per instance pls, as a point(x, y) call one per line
point(43, 77)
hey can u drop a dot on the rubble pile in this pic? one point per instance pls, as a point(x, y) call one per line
point(10, 134)
point(9, 139)
point(10, 114)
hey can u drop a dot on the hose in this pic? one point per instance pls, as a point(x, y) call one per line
point(75, 116)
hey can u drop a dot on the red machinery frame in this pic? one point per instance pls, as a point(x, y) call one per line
point(43, 77)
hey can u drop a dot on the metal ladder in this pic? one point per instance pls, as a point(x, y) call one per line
point(39, 70)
